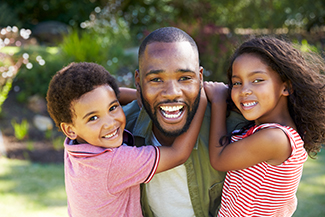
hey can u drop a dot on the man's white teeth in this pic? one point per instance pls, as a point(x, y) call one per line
point(172, 115)
point(175, 110)
point(171, 108)
point(111, 135)
point(249, 103)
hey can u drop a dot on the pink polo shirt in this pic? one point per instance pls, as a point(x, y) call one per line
point(106, 182)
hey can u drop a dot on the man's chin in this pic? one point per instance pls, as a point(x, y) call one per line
point(172, 133)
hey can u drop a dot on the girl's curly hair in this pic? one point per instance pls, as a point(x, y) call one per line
point(304, 74)
point(70, 83)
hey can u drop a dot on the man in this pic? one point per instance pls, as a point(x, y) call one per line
point(169, 81)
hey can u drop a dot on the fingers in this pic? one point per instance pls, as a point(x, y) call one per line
point(216, 91)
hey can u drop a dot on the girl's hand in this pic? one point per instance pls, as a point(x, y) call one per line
point(217, 92)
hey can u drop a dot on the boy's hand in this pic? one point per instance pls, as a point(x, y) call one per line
point(217, 92)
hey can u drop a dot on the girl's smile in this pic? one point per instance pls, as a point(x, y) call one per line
point(258, 92)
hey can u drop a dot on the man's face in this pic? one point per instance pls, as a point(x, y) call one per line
point(170, 81)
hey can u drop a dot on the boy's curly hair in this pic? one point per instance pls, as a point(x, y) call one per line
point(70, 83)
point(304, 74)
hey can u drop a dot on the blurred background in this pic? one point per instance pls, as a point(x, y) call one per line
point(39, 37)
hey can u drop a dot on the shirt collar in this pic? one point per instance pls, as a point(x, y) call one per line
point(87, 150)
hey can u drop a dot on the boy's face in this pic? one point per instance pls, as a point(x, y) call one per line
point(98, 119)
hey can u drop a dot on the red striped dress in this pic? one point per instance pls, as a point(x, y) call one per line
point(264, 189)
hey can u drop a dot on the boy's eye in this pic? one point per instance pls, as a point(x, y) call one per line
point(236, 83)
point(93, 118)
point(113, 108)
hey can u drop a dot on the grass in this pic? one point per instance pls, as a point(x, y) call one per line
point(311, 190)
point(32, 190)
point(29, 189)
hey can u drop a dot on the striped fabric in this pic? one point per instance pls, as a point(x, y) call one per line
point(264, 189)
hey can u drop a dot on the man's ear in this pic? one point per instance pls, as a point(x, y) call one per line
point(137, 79)
point(68, 130)
point(201, 75)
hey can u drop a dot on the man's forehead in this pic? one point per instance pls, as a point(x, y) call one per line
point(159, 47)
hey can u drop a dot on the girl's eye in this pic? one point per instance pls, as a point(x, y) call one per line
point(93, 118)
point(257, 80)
point(236, 83)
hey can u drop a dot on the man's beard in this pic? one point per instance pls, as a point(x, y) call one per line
point(190, 115)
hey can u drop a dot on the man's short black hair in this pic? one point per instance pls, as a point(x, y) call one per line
point(166, 35)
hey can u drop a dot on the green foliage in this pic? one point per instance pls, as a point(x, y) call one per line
point(4, 91)
point(83, 47)
point(35, 80)
point(31, 12)
point(101, 46)
point(7, 15)
point(21, 129)
point(58, 143)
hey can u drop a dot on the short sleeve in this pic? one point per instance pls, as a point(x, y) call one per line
point(132, 166)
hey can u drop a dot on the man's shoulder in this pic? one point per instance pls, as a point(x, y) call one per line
point(131, 112)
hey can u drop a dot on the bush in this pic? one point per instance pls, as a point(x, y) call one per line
point(41, 63)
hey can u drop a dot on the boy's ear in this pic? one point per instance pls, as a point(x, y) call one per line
point(68, 130)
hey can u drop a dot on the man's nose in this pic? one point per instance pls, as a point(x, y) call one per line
point(172, 90)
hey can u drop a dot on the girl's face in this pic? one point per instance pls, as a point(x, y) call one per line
point(98, 119)
point(258, 91)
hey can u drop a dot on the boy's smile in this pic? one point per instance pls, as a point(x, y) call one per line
point(98, 118)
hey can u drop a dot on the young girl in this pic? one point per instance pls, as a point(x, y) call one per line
point(102, 173)
point(283, 94)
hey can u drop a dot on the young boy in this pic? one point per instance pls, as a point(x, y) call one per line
point(103, 171)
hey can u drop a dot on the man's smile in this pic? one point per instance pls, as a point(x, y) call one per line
point(171, 112)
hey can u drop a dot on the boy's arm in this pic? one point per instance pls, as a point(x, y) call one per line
point(182, 147)
point(217, 95)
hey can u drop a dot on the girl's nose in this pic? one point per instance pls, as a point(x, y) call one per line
point(246, 90)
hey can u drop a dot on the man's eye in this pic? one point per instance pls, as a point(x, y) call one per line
point(185, 78)
point(156, 80)
point(93, 118)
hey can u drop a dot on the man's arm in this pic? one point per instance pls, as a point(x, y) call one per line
point(183, 145)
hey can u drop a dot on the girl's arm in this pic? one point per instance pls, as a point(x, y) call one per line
point(180, 150)
point(127, 95)
point(270, 145)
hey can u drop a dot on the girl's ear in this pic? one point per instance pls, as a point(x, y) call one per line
point(68, 130)
point(287, 89)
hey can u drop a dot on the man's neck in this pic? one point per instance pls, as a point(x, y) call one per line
point(162, 139)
